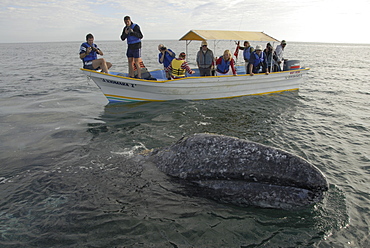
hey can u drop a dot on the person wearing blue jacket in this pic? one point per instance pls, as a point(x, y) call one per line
point(89, 52)
point(165, 57)
point(257, 62)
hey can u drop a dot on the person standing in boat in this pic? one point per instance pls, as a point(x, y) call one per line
point(205, 60)
point(133, 34)
point(247, 51)
point(268, 55)
point(179, 67)
point(279, 52)
point(165, 57)
point(257, 61)
point(89, 56)
point(226, 64)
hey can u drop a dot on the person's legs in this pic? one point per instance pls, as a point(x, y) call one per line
point(204, 72)
point(207, 72)
point(131, 67)
point(246, 68)
point(138, 67)
point(109, 65)
point(102, 64)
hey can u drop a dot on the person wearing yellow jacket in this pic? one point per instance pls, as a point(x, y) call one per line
point(179, 67)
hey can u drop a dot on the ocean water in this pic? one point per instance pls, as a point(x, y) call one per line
point(72, 176)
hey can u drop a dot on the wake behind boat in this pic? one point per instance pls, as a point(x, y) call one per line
point(118, 87)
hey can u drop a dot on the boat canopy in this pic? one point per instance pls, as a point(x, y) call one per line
point(226, 35)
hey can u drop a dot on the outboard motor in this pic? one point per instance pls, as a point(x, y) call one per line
point(291, 65)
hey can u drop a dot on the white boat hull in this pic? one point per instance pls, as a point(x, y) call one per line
point(124, 89)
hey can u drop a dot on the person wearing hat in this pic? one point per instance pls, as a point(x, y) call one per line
point(179, 67)
point(257, 61)
point(278, 56)
point(205, 60)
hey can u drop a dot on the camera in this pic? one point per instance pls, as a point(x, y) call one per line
point(163, 48)
point(94, 49)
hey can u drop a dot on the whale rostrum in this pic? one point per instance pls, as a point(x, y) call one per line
point(241, 172)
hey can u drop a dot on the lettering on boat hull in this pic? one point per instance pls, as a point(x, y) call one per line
point(119, 83)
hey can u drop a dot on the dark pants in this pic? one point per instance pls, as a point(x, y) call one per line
point(205, 71)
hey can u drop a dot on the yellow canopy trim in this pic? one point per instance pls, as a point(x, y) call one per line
point(227, 35)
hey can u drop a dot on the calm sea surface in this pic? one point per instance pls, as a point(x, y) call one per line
point(70, 175)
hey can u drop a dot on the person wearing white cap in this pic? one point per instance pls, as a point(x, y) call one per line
point(205, 60)
point(257, 61)
point(279, 52)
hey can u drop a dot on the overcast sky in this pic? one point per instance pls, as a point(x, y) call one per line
point(292, 20)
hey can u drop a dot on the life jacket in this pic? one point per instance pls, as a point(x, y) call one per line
point(224, 66)
point(177, 71)
point(247, 53)
point(131, 39)
point(257, 59)
point(205, 59)
point(92, 55)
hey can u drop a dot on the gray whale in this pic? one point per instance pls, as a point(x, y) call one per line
point(240, 172)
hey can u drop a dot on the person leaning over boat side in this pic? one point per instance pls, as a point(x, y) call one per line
point(89, 55)
point(133, 34)
point(268, 56)
point(205, 60)
point(179, 67)
point(165, 57)
point(278, 58)
point(257, 61)
point(224, 63)
point(247, 51)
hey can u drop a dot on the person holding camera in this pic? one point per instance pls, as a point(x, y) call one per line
point(133, 34)
point(89, 56)
point(165, 57)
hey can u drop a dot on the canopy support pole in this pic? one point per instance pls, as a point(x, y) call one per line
point(187, 43)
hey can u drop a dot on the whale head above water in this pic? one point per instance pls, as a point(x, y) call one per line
point(241, 172)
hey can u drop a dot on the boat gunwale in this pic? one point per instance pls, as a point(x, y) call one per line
point(187, 78)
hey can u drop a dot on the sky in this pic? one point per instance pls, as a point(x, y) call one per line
point(330, 21)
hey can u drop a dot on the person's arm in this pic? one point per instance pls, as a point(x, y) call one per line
point(168, 69)
point(264, 63)
point(233, 67)
point(160, 57)
point(278, 54)
point(198, 55)
point(251, 69)
point(171, 53)
point(98, 51)
point(187, 67)
point(84, 51)
point(219, 60)
point(137, 32)
point(213, 59)
point(124, 35)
